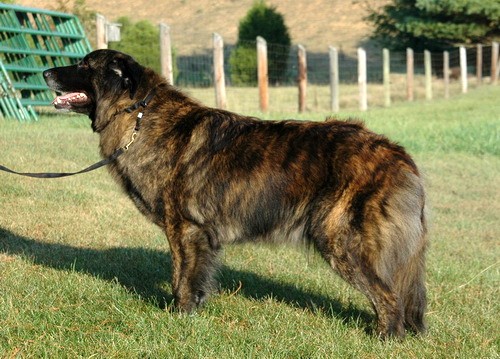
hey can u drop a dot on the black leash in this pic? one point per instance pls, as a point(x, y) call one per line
point(103, 162)
point(95, 166)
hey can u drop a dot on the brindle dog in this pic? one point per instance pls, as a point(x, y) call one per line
point(208, 177)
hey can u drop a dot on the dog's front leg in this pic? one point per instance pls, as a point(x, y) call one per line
point(194, 259)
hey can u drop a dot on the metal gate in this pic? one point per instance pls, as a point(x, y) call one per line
point(32, 40)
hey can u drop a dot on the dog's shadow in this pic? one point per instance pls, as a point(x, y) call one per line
point(147, 273)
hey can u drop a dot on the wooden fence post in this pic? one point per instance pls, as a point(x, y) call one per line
point(446, 74)
point(262, 74)
point(302, 77)
point(463, 69)
point(409, 74)
point(219, 80)
point(386, 77)
point(479, 64)
point(363, 98)
point(334, 79)
point(494, 63)
point(102, 38)
point(428, 75)
point(167, 68)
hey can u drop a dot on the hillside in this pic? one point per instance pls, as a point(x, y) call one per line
point(314, 23)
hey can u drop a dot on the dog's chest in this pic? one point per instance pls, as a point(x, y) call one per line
point(142, 180)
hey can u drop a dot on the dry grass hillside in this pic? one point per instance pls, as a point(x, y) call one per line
point(314, 23)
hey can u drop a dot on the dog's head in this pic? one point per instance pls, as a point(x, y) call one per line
point(102, 74)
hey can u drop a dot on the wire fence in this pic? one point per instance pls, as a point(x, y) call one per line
point(195, 73)
point(197, 70)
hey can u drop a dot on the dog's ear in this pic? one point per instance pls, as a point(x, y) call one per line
point(129, 71)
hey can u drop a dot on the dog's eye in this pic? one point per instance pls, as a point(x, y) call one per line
point(84, 65)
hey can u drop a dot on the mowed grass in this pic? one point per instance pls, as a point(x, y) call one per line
point(83, 274)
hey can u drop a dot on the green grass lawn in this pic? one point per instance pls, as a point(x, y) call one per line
point(83, 274)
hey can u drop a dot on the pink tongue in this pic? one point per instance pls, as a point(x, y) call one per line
point(65, 101)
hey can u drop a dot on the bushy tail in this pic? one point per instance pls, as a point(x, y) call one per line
point(410, 282)
point(413, 294)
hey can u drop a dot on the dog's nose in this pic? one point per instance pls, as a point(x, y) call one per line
point(47, 74)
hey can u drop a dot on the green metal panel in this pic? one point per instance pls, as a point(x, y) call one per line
point(32, 40)
point(10, 104)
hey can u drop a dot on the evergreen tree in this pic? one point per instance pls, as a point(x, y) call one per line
point(436, 24)
point(261, 20)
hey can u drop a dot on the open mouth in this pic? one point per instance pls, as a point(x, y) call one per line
point(71, 100)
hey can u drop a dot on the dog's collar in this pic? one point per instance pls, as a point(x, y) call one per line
point(142, 103)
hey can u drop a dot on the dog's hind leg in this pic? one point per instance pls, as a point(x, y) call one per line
point(359, 270)
point(354, 253)
point(194, 260)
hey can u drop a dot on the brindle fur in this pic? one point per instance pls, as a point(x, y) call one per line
point(208, 177)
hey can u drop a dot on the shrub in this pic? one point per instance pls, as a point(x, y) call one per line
point(261, 20)
point(243, 63)
point(140, 40)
